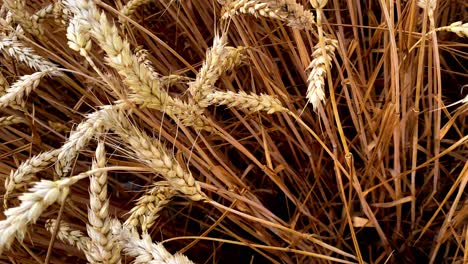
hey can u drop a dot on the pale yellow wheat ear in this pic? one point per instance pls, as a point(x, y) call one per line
point(19, 177)
point(318, 67)
point(68, 235)
point(15, 95)
point(23, 17)
point(33, 203)
point(248, 102)
point(458, 28)
point(11, 120)
point(16, 49)
point(156, 156)
point(131, 6)
point(143, 249)
point(148, 206)
point(219, 59)
point(289, 11)
point(104, 247)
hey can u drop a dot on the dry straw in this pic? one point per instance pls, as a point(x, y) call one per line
point(20, 52)
point(249, 102)
point(26, 171)
point(148, 206)
point(65, 233)
point(319, 66)
point(33, 203)
point(103, 247)
point(285, 10)
point(143, 249)
point(15, 95)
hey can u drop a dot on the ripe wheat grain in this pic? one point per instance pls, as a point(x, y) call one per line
point(249, 102)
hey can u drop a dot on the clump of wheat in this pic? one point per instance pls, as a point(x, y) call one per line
point(149, 205)
point(242, 100)
point(23, 17)
point(65, 233)
point(285, 10)
point(14, 96)
point(143, 249)
point(11, 120)
point(26, 171)
point(319, 66)
point(103, 247)
point(33, 203)
point(219, 58)
point(19, 51)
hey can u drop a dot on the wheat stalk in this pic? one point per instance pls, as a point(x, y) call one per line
point(149, 205)
point(219, 59)
point(143, 249)
point(19, 51)
point(319, 67)
point(285, 10)
point(33, 203)
point(23, 17)
point(11, 120)
point(103, 247)
point(250, 102)
point(65, 233)
point(26, 171)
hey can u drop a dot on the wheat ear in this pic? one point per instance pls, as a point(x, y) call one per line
point(14, 96)
point(78, 37)
point(219, 59)
point(131, 6)
point(156, 156)
point(26, 171)
point(103, 248)
point(146, 91)
point(143, 249)
point(289, 11)
point(319, 66)
point(65, 233)
point(33, 203)
point(249, 102)
point(458, 28)
point(20, 52)
point(11, 120)
point(22, 16)
point(149, 205)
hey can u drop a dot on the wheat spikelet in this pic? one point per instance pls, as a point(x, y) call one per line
point(319, 67)
point(103, 247)
point(65, 233)
point(14, 96)
point(11, 120)
point(39, 16)
point(242, 100)
point(33, 203)
point(458, 28)
point(26, 171)
point(131, 6)
point(78, 37)
point(149, 205)
point(219, 59)
point(22, 16)
point(284, 10)
point(156, 156)
point(19, 51)
point(143, 249)
point(146, 91)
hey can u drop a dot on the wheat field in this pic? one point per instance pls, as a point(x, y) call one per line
point(234, 131)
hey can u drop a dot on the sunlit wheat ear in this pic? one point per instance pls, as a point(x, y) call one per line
point(143, 249)
point(458, 28)
point(11, 120)
point(248, 102)
point(26, 171)
point(33, 203)
point(103, 248)
point(219, 59)
point(20, 52)
point(66, 234)
point(156, 157)
point(16, 95)
point(22, 16)
point(148, 206)
point(289, 11)
point(78, 36)
point(131, 6)
point(318, 70)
